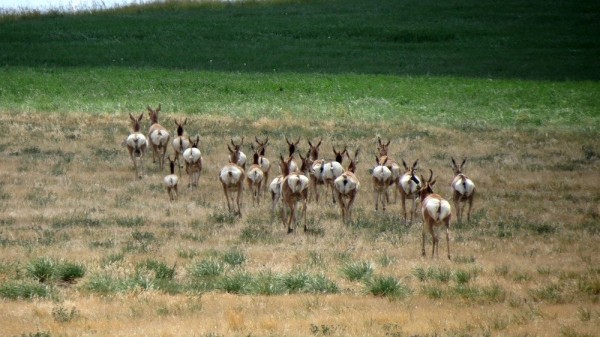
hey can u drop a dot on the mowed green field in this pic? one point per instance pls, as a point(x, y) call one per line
point(88, 250)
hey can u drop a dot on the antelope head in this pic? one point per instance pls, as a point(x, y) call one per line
point(234, 153)
point(353, 161)
point(339, 156)
point(381, 147)
point(426, 186)
point(261, 145)
point(285, 165)
point(180, 126)
point(194, 142)
point(292, 145)
point(411, 170)
point(306, 162)
point(153, 114)
point(314, 150)
point(458, 168)
point(136, 122)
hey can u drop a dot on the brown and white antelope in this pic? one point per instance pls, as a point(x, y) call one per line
point(347, 187)
point(294, 190)
point(232, 178)
point(292, 147)
point(408, 187)
point(255, 178)
point(275, 189)
point(192, 156)
point(332, 170)
point(436, 212)
point(136, 145)
point(265, 164)
point(316, 170)
point(159, 138)
point(383, 150)
point(381, 177)
point(241, 159)
point(171, 180)
point(463, 191)
point(180, 143)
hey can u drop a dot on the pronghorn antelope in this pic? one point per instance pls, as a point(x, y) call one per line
point(241, 161)
point(265, 164)
point(381, 181)
point(193, 161)
point(232, 178)
point(159, 138)
point(136, 145)
point(332, 170)
point(409, 188)
point(180, 143)
point(294, 189)
point(292, 146)
point(347, 187)
point(316, 170)
point(463, 191)
point(254, 178)
point(171, 180)
point(275, 189)
point(390, 163)
point(436, 212)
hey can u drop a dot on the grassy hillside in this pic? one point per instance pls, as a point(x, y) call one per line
point(549, 40)
point(457, 63)
point(88, 250)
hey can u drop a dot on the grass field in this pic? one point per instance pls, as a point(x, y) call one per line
point(86, 250)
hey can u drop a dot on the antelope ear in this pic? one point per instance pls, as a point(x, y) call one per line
point(149, 109)
point(158, 109)
point(463, 162)
point(415, 164)
point(405, 166)
point(140, 118)
point(132, 118)
point(453, 162)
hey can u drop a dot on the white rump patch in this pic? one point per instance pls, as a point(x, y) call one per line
point(297, 182)
point(438, 209)
point(465, 187)
point(192, 155)
point(159, 137)
point(171, 180)
point(382, 173)
point(345, 185)
point(131, 140)
point(409, 186)
point(255, 174)
point(230, 175)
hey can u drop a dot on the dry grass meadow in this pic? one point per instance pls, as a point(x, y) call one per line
point(527, 265)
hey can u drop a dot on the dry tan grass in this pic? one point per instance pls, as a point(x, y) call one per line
point(57, 168)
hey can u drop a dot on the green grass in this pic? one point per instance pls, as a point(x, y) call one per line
point(468, 65)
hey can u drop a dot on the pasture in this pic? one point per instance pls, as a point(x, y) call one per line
point(88, 250)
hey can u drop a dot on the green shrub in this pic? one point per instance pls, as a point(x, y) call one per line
point(234, 257)
point(356, 271)
point(23, 290)
point(207, 269)
point(386, 287)
point(160, 269)
point(41, 269)
point(69, 272)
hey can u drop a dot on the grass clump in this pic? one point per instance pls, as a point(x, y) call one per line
point(356, 271)
point(15, 290)
point(386, 286)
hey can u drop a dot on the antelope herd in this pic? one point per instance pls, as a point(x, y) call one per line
point(301, 178)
